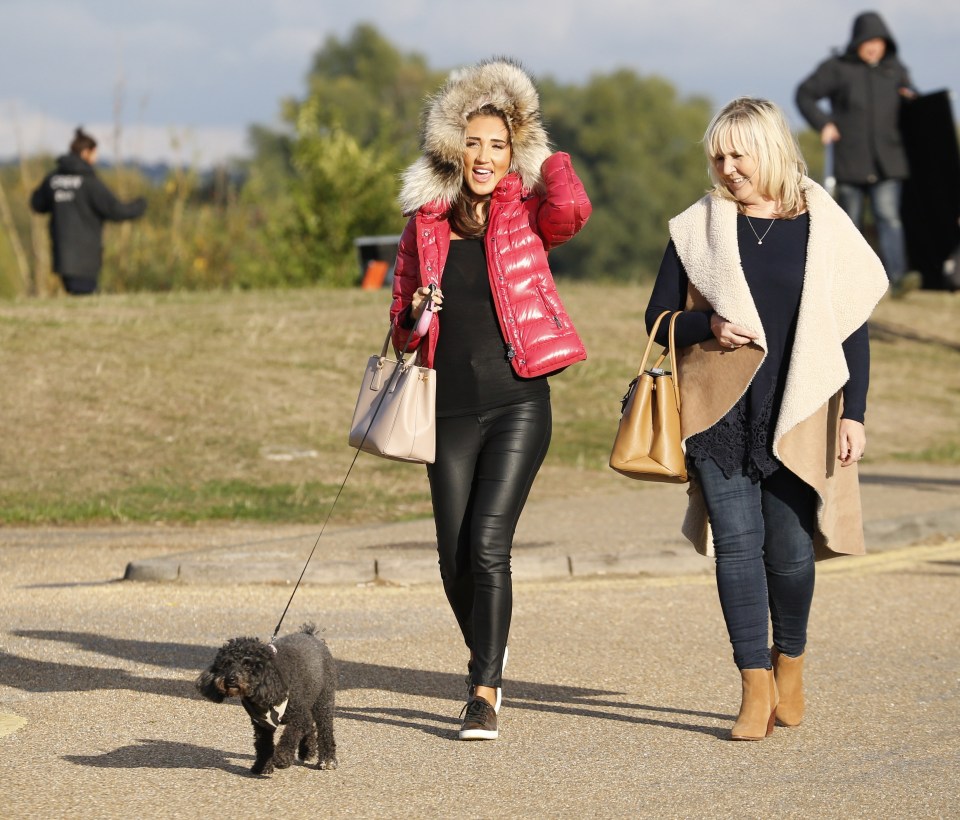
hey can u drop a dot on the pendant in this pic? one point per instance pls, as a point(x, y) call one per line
point(759, 241)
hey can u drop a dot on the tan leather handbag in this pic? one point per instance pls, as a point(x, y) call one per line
point(395, 415)
point(647, 445)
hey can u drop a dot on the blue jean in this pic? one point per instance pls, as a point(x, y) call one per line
point(885, 204)
point(485, 467)
point(763, 540)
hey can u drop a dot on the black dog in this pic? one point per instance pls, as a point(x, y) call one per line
point(291, 683)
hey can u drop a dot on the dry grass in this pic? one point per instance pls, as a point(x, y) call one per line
point(236, 405)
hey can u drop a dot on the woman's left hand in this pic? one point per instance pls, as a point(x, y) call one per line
point(420, 298)
point(852, 442)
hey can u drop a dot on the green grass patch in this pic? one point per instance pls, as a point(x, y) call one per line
point(235, 406)
point(306, 503)
point(947, 453)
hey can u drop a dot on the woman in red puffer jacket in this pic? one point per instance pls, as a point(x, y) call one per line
point(488, 202)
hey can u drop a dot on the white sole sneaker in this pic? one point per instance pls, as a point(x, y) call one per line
point(479, 734)
point(479, 724)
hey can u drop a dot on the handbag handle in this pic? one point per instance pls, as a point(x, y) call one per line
point(667, 351)
point(400, 354)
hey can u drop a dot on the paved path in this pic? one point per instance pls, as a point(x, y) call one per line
point(620, 527)
point(618, 697)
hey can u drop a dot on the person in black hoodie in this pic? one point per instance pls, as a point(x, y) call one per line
point(865, 86)
point(79, 203)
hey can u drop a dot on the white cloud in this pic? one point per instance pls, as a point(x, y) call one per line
point(24, 128)
point(220, 65)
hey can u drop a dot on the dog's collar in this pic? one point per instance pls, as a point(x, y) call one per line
point(271, 718)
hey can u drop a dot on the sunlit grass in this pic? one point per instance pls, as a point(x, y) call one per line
point(188, 407)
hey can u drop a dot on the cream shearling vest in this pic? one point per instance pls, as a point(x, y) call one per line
point(843, 281)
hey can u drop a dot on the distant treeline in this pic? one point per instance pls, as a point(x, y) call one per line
point(289, 215)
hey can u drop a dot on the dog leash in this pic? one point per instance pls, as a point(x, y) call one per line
point(343, 483)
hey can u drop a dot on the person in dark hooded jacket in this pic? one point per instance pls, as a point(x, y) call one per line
point(79, 203)
point(865, 86)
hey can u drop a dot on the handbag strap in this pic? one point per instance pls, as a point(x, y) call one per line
point(669, 350)
point(400, 354)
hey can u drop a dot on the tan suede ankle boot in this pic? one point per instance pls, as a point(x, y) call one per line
point(758, 707)
point(788, 673)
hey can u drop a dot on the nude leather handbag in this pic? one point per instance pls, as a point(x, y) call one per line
point(647, 445)
point(395, 415)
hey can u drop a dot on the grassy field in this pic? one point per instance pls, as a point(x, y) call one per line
point(191, 407)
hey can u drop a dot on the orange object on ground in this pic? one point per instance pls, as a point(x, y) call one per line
point(374, 275)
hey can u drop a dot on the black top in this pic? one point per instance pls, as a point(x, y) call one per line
point(79, 203)
point(774, 272)
point(473, 372)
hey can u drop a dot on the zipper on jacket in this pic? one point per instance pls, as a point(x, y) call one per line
point(546, 304)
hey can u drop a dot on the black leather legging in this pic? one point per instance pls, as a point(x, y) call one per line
point(483, 472)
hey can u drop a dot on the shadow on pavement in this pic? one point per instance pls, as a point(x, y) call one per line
point(32, 675)
point(162, 754)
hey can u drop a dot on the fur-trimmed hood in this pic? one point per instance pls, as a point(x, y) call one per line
point(437, 176)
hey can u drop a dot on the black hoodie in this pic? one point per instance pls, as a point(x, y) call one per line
point(79, 203)
point(865, 105)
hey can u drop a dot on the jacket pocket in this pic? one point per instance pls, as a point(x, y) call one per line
point(548, 309)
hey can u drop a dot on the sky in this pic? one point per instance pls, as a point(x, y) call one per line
point(186, 78)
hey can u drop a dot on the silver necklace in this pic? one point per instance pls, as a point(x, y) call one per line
point(760, 238)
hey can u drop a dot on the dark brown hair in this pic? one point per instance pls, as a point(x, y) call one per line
point(463, 215)
point(82, 141)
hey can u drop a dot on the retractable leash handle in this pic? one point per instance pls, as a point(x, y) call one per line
point(423, 324)
point(421, 328)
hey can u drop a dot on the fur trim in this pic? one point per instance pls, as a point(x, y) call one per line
point(843, 282)
point(438, 175)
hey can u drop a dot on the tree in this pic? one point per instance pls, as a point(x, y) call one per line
point(334, 175)
point(371, 90)
point(636, 146)
point(340, 191)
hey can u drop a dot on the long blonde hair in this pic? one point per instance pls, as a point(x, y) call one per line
point(757, 128)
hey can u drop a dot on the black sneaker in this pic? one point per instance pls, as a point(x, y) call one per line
point(480, 721)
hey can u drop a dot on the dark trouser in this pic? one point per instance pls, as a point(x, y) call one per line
point(483, 472)
point(885, 204)
point(763, 539)
point(79, 285)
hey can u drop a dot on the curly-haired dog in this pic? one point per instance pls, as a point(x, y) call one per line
point(291, 683)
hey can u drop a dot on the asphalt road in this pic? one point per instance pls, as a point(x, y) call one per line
point(617, 700)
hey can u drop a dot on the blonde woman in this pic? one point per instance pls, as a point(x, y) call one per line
point(776, 285)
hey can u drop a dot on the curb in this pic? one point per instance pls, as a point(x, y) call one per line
point(408, 571)
point(238, 566)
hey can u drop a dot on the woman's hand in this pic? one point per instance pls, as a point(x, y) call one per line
point(419, 301)
point(730, 335)
point(852, 442)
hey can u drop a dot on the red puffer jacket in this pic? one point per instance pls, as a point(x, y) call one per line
point(522, 227)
